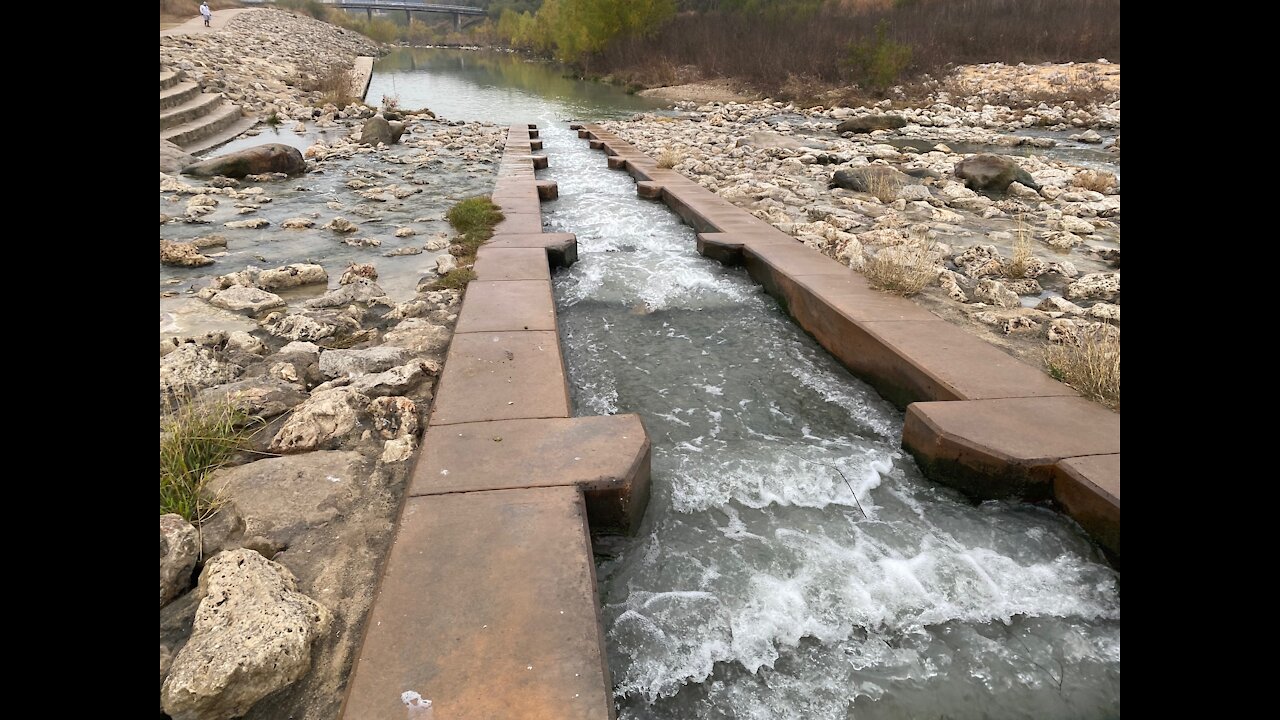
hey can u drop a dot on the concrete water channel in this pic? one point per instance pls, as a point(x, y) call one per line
point(793, 561)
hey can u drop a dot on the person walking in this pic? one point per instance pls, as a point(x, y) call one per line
point(206, 13)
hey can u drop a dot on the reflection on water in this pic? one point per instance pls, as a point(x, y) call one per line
point(498, 87)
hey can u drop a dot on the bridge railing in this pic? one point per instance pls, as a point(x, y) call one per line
point(406, 5)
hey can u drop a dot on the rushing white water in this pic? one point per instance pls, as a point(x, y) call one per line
point(793, 562)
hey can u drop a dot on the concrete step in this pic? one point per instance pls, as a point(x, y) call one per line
point(169, 78)
point(231, 132)
point(198, 106)
point(178, 95)
point(190, 133)
point(488, 609)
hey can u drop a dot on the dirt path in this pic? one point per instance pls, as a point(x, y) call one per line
point(196, 23)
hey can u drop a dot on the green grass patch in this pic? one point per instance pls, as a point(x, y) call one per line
point(196, 439)
point(455, 280)
point(474, 219)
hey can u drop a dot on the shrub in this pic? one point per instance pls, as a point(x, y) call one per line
point(1090, 363)
point(668, 158)
point(880, 62)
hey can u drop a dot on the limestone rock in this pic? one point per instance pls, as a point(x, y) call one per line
point(249, 300)
point(1101, 286)
point(298, 223)
point(179, 550)
point(262, 396)
point(182, 254)
point(244, 342)
point(321, 422)
point(292, 276)
point(357, 290)
point(173, 158)
point(1062, 305)
point(1105, 312)
point(191, 367)
point(345, 363)
point(269, 158)
point(995, 293)
point(341, 224)
point(283, 498)
point(358, 271)
point(252, 636)
point(1023, 287)
point(446, 264)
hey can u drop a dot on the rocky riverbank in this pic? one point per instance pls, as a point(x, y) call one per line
point(1024, 249)
point(300, 292)
point(268, 60)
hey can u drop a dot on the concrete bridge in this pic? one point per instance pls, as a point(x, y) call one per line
point(409, 7)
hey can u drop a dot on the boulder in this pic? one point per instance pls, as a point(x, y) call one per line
point(992, 173)
point(1100, 286)
point(263, 396)
point(269, 158)
point(1024, 287)
point(995, 293)
point(190, 367)
point(182, 254)
point(869, 123)
point(396, 381)
point(179, 550)
point(341, 224)
point(283, 498)
point(347, 363)
point(244, 342)
point(1062, 305)
point(298, 223)
point(249, 300)
point(979, 261)
point(359, 290)
point(293, 275)
point(419, 335)
point(252, 636)
point(446, 264)
point(358, 271)
point(321, 422)
point(1105, 312)
point(378, 130)
point(394, 417)
point(222, 531)
point(173, 158)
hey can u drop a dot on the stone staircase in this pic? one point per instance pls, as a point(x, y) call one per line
point(193, 120)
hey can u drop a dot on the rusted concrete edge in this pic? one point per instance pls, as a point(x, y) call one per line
point(612, 499)
point(733, 236)
point(361, 75)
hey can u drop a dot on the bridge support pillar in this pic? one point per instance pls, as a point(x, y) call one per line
point(457, 22)
point(369, 12)
point(408, 17)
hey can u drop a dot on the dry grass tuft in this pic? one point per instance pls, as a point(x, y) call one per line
point(1090, 364)
point(904, 269)
point(1095, 180)
point(1017, 266)
point(668, 159)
